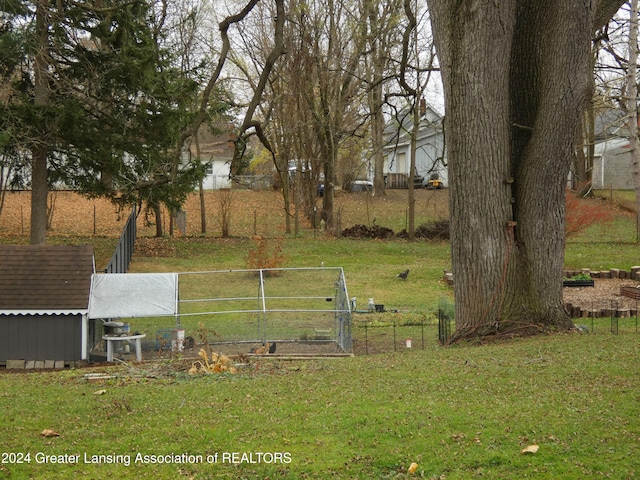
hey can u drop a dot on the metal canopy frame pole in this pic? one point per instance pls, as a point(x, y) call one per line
point(262, 316)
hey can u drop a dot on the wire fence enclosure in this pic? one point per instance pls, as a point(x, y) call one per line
point(372, 336)
point(615, 319)
point(303, 311)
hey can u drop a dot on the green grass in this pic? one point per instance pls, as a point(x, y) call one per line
point(459, 413)
point(370, 266)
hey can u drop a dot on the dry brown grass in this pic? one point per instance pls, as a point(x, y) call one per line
point(253, 213)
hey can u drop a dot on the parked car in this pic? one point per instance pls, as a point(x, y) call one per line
point(361, 186)
point(434, 182)
point(356, 186)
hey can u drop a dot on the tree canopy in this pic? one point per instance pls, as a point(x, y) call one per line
point(94, 96)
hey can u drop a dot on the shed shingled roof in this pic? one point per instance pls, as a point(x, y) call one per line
point(36, 277)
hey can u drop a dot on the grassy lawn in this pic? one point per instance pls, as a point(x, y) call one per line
point(459, 413)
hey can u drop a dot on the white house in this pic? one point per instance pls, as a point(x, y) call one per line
point(431, 157)
point(218, 149)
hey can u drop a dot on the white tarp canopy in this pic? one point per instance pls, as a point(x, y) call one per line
point(117, 295)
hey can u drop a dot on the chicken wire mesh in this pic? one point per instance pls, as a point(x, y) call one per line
point(300, 310)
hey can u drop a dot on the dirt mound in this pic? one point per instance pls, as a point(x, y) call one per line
point(362, 231)
point(433, 231)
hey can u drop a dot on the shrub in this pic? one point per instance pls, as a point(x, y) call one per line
point(261, 256)
point(582, 213)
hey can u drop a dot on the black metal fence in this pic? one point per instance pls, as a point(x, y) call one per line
point(121, 258)
point(446, 317)
point(379, 332)
point(616, 318)
point(372, 337)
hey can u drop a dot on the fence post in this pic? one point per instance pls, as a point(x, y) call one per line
point(366, 338)
point(395, 349)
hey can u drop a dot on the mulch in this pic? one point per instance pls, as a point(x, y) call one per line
point(605, 296)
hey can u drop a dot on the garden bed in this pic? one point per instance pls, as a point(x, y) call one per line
point(604, 299)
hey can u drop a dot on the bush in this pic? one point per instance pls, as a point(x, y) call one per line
point(261, 256)
point(583, 213)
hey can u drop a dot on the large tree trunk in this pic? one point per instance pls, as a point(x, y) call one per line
point(516, 78)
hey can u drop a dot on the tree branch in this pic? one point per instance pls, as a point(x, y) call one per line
point(276, 52)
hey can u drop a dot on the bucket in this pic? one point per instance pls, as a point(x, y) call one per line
point(408, 343)
point(379, 308)
point(177, 340)
point(163, 338)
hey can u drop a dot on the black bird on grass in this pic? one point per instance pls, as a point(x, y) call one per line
point(272, 348)
point(403, 275)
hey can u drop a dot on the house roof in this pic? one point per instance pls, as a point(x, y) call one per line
point(610, 123)
point(45, 277)
point(215, 145)
point(396, 131)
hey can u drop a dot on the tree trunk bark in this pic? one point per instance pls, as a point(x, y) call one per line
point(39, 194)
point(157, 211)
point(377, 139)
point(415, 129)
point(632, 103)
point(328, 196)
point(203, 206)
point(516, 78)
point(40, 152)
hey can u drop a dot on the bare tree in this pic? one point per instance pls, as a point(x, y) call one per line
point(632, 102)
point(310, 105)
point(382, 36)
point(275, 112)
point(413, 79)
point(516, 80)
point(609, 103)
point(333, 52)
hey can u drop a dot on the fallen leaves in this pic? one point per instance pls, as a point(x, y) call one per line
point(530, 449)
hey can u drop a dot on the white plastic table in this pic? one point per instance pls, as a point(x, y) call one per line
point(124, 338)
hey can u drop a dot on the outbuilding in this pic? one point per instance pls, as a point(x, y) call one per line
point(44, 298)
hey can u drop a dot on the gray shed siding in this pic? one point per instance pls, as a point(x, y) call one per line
point(614, 170)
point(41, 337)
